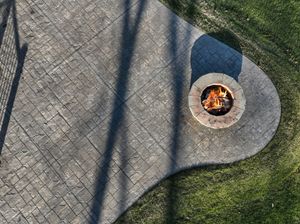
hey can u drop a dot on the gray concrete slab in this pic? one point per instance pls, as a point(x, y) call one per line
point(100, 112)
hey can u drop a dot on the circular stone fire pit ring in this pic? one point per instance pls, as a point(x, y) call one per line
point(202, 115)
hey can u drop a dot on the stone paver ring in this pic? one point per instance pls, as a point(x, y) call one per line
point(216, 100)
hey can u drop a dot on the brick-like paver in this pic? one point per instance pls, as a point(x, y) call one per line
point(101, 110)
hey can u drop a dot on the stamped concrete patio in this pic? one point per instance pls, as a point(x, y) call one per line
point(100, 112)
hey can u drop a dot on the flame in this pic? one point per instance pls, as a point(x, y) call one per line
point(216, 99)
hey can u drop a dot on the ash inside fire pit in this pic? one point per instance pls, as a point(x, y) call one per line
point(217, 100)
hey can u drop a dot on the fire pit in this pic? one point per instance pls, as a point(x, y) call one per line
point(216, 100)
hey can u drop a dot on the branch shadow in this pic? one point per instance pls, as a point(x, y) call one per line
point(128, 42)
point(12, 67)
point(208, 55)
point(178, 80)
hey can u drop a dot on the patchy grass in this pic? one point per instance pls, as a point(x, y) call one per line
point(266, 187)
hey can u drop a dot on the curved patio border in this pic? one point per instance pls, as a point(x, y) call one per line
point(101, 113)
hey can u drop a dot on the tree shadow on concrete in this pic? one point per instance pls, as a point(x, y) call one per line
point(199, 68)
point(129, 36)
point(178, 80)
point(209, 55)
point(12, 62)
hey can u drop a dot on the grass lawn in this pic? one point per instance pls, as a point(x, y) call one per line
point(266, 187)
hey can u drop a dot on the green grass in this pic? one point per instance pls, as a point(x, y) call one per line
point(266, 187)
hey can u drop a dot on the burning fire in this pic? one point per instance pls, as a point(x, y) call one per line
point(217, 99)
